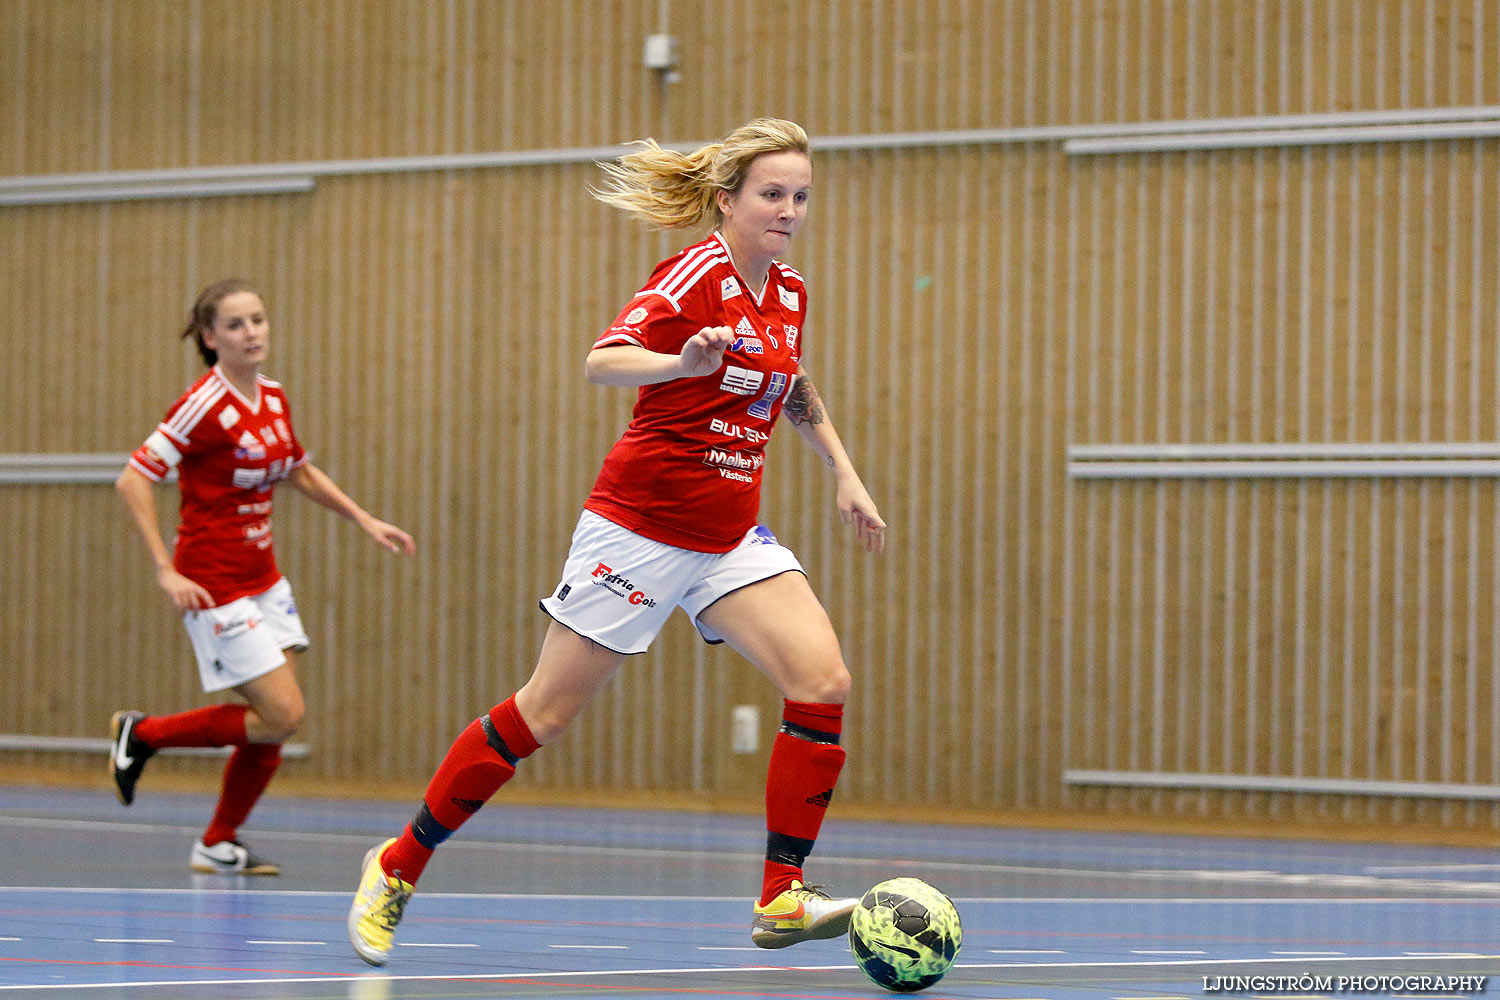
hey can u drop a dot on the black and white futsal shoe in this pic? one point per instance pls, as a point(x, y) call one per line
point(229, 857)
point(127, 755)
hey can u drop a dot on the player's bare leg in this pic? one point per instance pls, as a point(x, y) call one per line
point(778, 625)
point(569, 672)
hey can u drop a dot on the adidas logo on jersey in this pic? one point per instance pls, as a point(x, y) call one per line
point(822, 799)
point(745, 339)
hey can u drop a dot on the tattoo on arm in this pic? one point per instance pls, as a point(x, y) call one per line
point(802, 404)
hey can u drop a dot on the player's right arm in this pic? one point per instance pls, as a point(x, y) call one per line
point(140, 500)
point(629, 365)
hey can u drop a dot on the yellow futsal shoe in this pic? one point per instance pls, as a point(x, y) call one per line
point(800, 913)
point(377, 908)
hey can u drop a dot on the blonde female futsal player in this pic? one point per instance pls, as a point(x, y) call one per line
point(230, 439)
point(714, 342)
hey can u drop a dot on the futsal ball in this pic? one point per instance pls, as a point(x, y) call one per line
point(904, 934)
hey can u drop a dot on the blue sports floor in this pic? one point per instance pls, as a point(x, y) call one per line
point(97, 902)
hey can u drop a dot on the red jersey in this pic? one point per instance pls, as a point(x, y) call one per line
point(229, 452)
point(687, 470)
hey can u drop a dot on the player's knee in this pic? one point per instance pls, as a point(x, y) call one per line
point(282, 720)
point(832, 684)
point(822, 681)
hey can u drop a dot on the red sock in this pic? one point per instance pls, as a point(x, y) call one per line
point(210, 726)
point(245, 776)
point(481, 760)
point(805, 763)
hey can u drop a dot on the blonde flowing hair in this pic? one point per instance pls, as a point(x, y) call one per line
point(672, 190)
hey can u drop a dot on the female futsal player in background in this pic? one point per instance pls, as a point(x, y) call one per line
point(713, 341)
point(230, 439)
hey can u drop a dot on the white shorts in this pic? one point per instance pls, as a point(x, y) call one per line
point(244, 639)
point(619, 588)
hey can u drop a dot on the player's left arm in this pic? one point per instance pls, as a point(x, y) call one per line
point(316, 485)
point(805, 409)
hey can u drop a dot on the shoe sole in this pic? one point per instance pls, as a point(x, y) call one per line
point(830, 925)
point(254, 870)
point(360, 948)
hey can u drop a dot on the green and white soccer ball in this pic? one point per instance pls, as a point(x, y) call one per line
point(905, 934)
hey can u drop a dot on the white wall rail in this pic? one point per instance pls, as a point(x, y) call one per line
point(1330, 460)
point(53, 468)
point(1270, 783)
point(1391, 125)
point(103, 745)
point(1261, 138)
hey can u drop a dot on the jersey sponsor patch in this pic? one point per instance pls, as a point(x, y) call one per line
point(733, 459)
point(741, 381)
point(635, 315)
point(789, 299)
point(761, 408)
point(745, 340)
point(250, 448)
point(274, 403)
point(728, 288)
point(248, 479)
point(228, 417)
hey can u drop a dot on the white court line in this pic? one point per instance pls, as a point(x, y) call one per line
point(9, 939)
point(1416, 869)
point(1167, 951)
point(286, 942)
point(720, 947)
point(508, 976)
point(593, 947)
point(1307, 953)
point(134, 941)
point(433, 944)
point(1027, 951)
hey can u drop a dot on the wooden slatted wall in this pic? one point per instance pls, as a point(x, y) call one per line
point(975, 310)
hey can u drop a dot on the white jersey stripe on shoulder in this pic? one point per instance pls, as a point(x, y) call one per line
point(187, 417)
point(687, 263)
point(191, 412)
point(790, 271)
point(271, 383)
point(674, 295)
point(197, 406)
point(688, 271)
